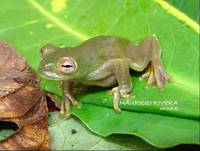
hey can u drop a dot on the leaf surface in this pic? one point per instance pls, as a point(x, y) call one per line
point(71, 134)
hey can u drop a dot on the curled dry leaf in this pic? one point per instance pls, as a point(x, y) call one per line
point(22, 102)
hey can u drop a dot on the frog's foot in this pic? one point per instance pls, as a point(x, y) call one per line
point(72, 99)
point(65, 107)
point(117, 95)
point(76, 103)
point(156, 75)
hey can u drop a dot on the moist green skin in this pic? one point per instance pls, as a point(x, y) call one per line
point(105, 61)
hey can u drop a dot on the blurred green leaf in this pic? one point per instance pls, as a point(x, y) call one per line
point(5, 133)
point(31, 24)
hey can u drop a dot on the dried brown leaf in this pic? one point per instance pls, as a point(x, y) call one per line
point(22, 102)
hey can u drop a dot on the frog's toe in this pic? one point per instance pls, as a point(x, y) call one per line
point(150, 80)
point(162, 78)
point(62, 109)
point(150, 77)
point(116, 98)
point(109, 92)
point(144, 76)
point(65, 107)
point(117, 109)
point(75, 102)
point(127, 96)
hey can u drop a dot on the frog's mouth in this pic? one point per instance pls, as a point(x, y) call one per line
point(51, 75)
point(46, 71)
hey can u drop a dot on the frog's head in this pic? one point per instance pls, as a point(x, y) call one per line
point(57, 64)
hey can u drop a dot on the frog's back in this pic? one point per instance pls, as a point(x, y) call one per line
point(105, 47)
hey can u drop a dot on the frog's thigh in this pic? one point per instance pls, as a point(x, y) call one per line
point(146, 51)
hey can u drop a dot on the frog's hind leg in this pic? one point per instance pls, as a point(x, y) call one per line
point(150, 53)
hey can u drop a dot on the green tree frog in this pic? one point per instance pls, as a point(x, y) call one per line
point(103, 61)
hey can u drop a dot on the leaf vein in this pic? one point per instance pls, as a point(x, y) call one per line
point(65, 27)
point(179, 15)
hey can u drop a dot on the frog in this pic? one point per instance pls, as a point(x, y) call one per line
point(104, 61)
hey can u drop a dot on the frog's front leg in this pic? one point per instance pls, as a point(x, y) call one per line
point(121, 72)
point(111, 72)
point(68, 97)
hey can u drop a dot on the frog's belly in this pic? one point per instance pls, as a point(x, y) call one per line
point(106, 82)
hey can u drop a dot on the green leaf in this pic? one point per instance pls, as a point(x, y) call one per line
point(31, 24)
point(150, 127)
point(70, 134)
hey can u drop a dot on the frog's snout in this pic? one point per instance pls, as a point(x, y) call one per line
point(46, 70)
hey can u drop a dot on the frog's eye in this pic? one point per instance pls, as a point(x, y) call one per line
point(67, 65)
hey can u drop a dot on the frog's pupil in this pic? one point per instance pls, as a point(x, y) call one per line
point(66, 66)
